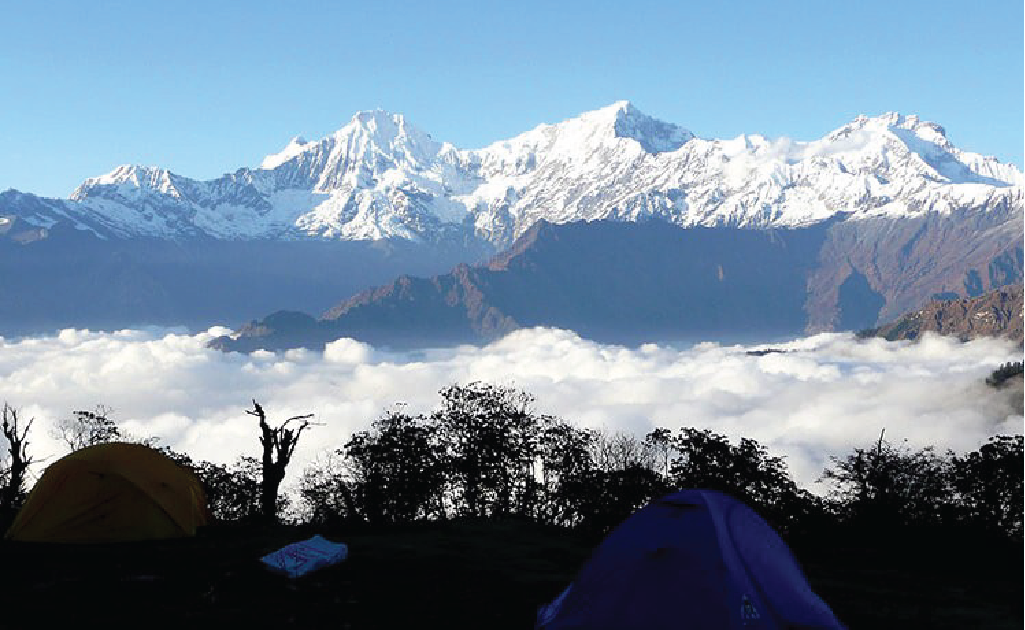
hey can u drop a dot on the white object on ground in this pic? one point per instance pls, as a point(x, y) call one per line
point(300, 558)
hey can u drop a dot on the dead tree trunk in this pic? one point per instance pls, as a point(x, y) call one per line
point(12, 491)
point(278, 445)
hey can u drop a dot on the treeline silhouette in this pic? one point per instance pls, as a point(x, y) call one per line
point(486, 454)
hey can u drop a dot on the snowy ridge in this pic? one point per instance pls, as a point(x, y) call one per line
point(379, 176)
point(295, 146)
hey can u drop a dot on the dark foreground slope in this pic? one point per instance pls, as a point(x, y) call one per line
point(460, 575)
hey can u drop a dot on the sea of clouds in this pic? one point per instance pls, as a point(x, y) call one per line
point(826, 395)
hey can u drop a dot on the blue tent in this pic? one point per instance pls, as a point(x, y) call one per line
point(694, 560)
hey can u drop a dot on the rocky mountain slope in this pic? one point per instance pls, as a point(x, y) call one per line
point(994, 314)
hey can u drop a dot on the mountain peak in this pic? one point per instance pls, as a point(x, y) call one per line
point(294, 147)
point(376, 116)
point(654, 136)
point(381, 124)
point(613, 110)
point(909, 129)
point(135, 176)
point(893, 120)
point(928, 142)
point(384, 128)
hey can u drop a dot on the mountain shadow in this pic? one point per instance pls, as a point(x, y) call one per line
point(858, 303)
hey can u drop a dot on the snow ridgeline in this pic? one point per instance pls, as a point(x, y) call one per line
point(380, 177)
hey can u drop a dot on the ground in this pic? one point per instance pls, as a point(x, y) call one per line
point(452, 575)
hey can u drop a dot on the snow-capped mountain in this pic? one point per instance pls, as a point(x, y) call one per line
point(381, 177)
point(858, 227)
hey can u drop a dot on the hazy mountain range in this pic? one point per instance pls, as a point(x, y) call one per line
point(633, 283)
point(884, 207)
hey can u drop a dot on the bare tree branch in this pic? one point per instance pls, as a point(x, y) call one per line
point(278, 447)
point(17, 441)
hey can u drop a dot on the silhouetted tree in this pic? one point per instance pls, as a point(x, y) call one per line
point(620, 475)
point(492, 437)
point(14, 463)
point(232, 492)
point(326, 492)
point(566, 473)
point(87, 428)
point(619, 451)
point(659, 446)
point(888, 485)
point(484, 453)
point(704, 459)
point(278, 446)
point(612, 496)
point(397, 470)
point(989, 485)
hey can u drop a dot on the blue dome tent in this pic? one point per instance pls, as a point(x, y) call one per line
point(693, 560)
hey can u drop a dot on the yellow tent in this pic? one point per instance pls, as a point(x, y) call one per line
point(110, 493)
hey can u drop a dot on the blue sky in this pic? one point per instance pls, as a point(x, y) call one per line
point(204, 90)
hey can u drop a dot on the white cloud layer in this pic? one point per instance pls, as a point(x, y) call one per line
point(829, 394)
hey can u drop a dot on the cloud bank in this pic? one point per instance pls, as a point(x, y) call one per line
point(826, 395)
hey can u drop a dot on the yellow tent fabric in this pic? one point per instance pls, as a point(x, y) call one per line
point(110, 493)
